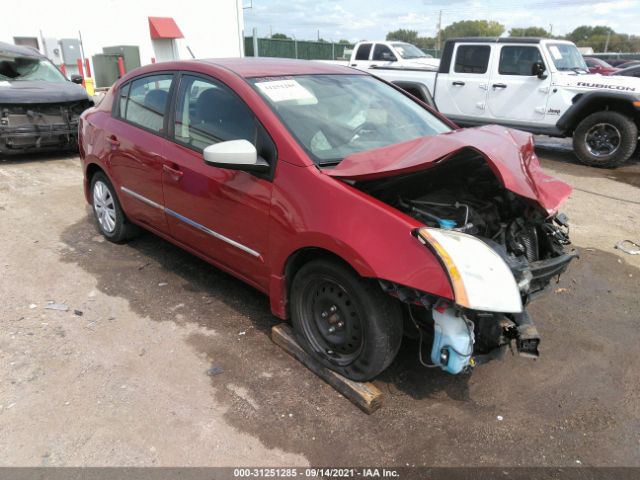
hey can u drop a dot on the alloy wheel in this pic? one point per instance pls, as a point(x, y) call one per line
point(603, 139)
point(104, 206)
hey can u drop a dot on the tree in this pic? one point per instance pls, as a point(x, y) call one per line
point(402, 35)
point(529, 32)
point(585, 33)
point(280, 36)
point(344, 41)
point(473, 28)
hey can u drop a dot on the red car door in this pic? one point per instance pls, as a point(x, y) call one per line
point(135, 135)
point(221, 213)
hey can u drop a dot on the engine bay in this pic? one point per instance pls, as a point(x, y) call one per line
point(462, 193)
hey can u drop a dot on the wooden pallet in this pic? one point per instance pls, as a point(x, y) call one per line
point(365, 395)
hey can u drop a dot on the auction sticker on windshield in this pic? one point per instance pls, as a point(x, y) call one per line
point(555, 51)
point(285, 91)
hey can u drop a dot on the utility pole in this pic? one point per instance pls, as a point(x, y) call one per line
point(439, 28)
point(606, 45)
point(551, 29)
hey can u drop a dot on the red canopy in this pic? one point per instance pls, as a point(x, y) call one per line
point(164, 27)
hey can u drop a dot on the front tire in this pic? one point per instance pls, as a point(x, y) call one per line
point(110, 218)
point(345, 321)
point(605, 139)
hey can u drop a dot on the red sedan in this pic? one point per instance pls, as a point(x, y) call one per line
point(599, 66)
point(361, 213)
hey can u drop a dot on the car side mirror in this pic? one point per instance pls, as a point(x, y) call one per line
point(389, 57)
point(235, 155)
point(538, 70)
point(77, 79)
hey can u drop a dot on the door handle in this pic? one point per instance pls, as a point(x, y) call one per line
point(113, 140)
point(458, 82)
point(498, 85)
point(173, 171)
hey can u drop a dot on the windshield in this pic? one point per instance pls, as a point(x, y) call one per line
point(566, 56)
point(408, 51)
point(333, 116)
point(15, 69)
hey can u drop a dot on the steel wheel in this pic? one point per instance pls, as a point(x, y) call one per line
point(104, 206)
point(332, 322)
point(344, 321)
point(603, 139)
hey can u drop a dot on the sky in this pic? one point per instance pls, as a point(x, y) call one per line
point(355, 20)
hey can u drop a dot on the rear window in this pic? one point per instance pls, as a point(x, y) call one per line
point(472, 59)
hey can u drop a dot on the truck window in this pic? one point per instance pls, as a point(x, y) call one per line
point(518, 60)
point(379, 52)
point(363, 51)
point(472, 59)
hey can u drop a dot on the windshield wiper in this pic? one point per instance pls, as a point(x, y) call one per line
point(329, 163)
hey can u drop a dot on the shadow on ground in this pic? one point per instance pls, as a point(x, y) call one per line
point(579, 401)
point(561, 157)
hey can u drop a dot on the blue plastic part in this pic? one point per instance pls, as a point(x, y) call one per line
point(447, 224)
point(451, 333)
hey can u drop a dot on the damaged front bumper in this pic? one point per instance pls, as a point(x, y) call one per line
point(27, 128)
point(480, 323)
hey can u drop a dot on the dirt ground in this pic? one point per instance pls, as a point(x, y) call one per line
point(121, 378)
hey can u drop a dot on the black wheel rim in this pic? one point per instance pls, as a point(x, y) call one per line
point(332, 321)
point(603, 139)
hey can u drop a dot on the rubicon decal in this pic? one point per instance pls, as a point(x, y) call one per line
point(610, 87)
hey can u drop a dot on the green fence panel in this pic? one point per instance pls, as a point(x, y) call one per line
point(304, 49)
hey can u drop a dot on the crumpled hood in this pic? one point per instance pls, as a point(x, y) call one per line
point(509, 153)
point(32, 92)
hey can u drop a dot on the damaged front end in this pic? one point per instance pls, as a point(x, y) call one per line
point(500, 247)
point(39, 127)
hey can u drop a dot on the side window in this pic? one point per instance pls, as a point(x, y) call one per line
point(207, 112)
point(472, 59)
point(518, 60)
point(147, 101)
point(382, 52)
point(363, 51)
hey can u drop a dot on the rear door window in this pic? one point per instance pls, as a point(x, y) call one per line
point(147, 102)
point(379, 53)
point(472, 59)
point(363, 51)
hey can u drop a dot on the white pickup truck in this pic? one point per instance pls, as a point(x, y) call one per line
point(388, 54)
point(537, 85)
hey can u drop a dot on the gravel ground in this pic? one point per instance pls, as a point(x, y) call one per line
point(123, 377)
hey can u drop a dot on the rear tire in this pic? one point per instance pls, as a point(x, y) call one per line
point(605, 139)
point(109, 216)
point(345, 321)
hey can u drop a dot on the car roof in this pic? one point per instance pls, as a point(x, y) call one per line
point(19, 50)
point(631, 68)
point(505, 40)
point(250, 67)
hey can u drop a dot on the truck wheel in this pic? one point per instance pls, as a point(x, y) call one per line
point(345, 321)
point(605, 139)
point(110, 218)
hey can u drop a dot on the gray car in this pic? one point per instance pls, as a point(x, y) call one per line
point(39, 106)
